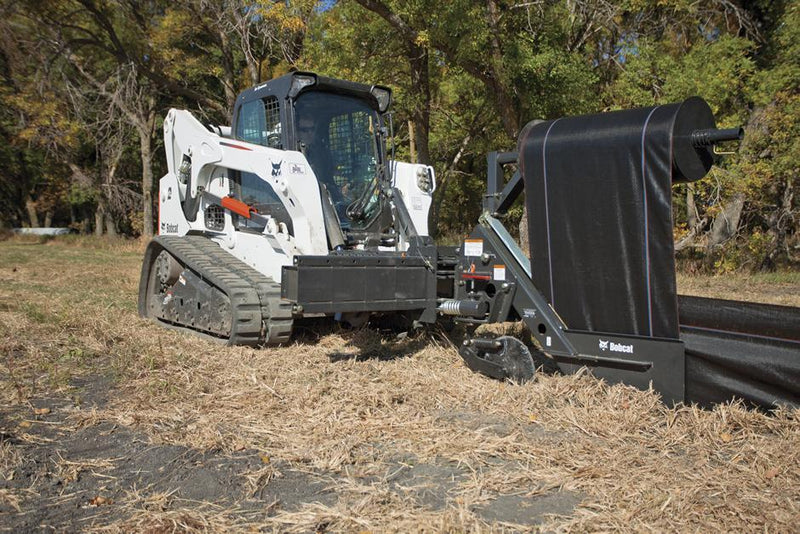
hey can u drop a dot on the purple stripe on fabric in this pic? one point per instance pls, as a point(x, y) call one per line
point(646, 226)
point(547, 211)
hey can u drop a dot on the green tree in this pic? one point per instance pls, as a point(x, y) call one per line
point(769, 165)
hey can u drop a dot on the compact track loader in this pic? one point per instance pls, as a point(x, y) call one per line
point(297, 210)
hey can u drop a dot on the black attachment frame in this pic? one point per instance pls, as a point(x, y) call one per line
point(359, 282)
point(643, 362)
point(500, 195)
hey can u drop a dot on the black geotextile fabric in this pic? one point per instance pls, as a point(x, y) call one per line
point(599, 197)
point(740, 349)
point(598, 193)
point(720, 367)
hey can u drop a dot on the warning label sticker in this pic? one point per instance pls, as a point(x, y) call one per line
point(473, 247)
point(499, 272)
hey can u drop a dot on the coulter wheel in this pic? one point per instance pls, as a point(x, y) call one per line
point(504, 358)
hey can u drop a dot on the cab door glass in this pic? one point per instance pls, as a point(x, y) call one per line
point(337, 134)
point(259, 122)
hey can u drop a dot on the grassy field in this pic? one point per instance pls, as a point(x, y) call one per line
point(782, 288)
point(110, 423)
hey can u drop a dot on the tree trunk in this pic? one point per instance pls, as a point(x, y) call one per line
point(691, 209)
point(147, 186)
point(33, 217)
point(496, 82)
point(694, 226)
point(524, 241)
point(229, 80)
point(146, 144)
point(253, 69)
point(99, 217)
point(779, 226)
point(111, 227)
point(726, 223)
point(417, 57)
point(444, 181)
point(421, 112)
point(48, 219)
point(412, 142)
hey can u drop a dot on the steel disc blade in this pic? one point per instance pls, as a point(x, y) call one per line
point(515, 358)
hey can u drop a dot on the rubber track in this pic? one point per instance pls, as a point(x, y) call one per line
point(259, 316)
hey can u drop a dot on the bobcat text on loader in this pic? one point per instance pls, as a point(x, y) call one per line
point(297, 210)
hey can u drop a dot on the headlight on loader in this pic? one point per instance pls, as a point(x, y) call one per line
point(424, 181)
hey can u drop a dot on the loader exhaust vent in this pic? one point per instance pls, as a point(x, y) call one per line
point(215, 218)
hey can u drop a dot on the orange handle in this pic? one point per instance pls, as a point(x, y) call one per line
point(237, 206)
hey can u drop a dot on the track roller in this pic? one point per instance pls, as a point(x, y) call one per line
point(190, 283)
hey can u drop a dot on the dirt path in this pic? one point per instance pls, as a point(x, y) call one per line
point(72, 473)
point(109, 423)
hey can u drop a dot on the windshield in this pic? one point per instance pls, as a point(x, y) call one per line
point(337, 135)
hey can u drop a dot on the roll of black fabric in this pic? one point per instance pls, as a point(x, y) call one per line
point(598, 193)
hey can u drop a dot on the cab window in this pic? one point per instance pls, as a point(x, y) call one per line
point(259, 122)
point(337, 134)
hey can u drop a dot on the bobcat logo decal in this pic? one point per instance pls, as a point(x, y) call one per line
point(615, 347)
point(276, 168)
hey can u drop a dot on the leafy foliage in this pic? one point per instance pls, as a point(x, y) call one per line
point(85, 82)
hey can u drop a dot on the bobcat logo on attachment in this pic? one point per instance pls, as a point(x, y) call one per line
point(276, 168)
point(614, 347)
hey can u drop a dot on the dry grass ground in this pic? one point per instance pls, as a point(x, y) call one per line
point(110, 423)
point(782, 288)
